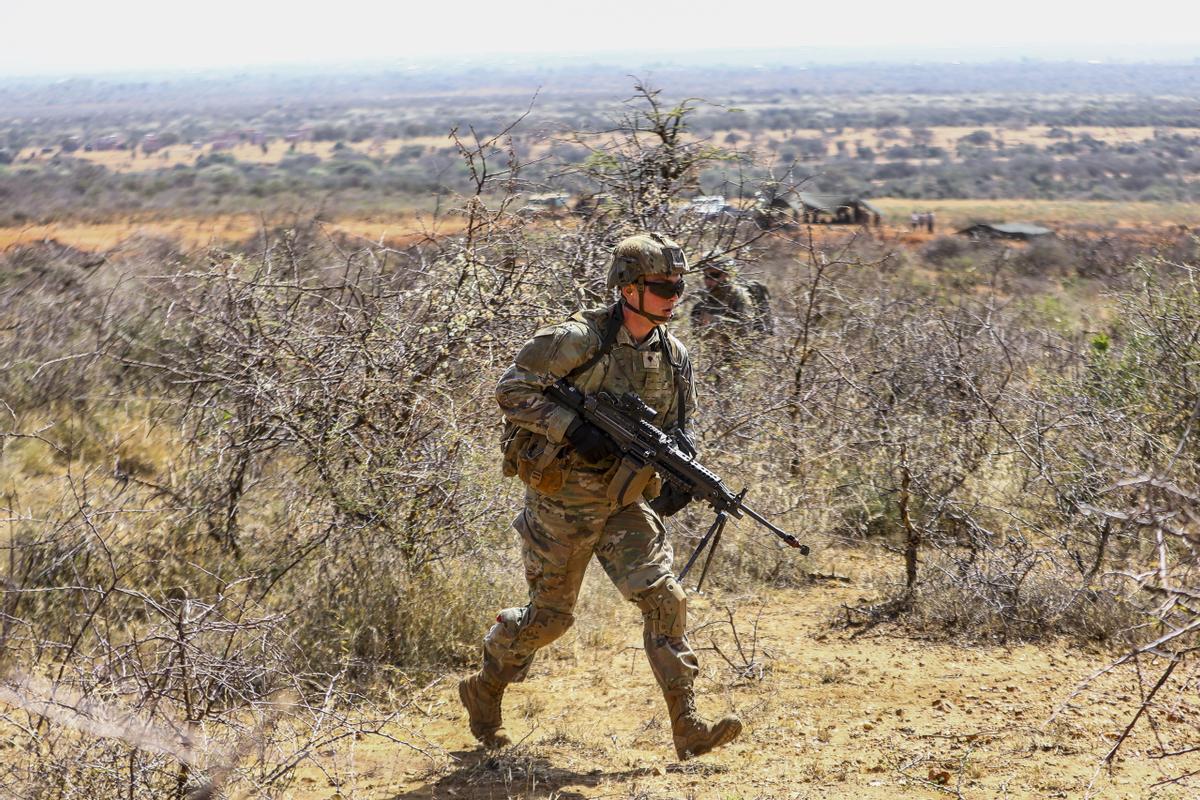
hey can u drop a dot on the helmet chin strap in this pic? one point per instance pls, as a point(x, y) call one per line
point(657, 319)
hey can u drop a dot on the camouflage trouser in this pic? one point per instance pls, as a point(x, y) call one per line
point(559, 536)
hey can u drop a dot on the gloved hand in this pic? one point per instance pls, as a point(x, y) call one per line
point(671, 500)
point(592, 444)
point(683, 440)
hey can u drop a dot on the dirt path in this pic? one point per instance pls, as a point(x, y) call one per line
point(827, 714)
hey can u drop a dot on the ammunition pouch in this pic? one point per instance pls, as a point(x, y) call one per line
point(653, 488)
point(629, 481)
point(531, 457)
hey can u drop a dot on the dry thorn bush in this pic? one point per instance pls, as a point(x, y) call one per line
point(245, 491)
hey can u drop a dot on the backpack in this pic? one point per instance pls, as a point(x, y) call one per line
point(761, 321)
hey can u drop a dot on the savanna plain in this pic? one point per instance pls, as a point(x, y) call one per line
point(253, 523)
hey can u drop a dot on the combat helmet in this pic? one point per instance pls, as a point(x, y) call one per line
point(644, 254)
point(718, 261)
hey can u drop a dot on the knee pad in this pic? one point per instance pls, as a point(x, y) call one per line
point(664, 608)
point(499, 637)
point(536, 628)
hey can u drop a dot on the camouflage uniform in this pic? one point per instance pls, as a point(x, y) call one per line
point(575, 508)
point(559, 533)
point(723, 314)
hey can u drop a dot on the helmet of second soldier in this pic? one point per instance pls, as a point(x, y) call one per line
point(642, 255)
point(718, 268)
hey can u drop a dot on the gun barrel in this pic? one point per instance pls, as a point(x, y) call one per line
point(791, 541)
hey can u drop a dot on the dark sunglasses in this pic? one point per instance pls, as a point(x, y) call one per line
point(715, 276)
point(666, 289)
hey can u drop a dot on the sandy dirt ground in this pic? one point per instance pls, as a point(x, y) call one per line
point(829, 712)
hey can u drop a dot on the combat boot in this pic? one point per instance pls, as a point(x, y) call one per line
point(481, 695)
point(693, 736)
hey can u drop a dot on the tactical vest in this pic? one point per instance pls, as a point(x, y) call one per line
point(655, 374)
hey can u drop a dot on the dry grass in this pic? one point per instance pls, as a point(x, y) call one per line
point(1037, 135)
point(945, 136)
point(405, 228)
point(336, 431)
point(395, 230)
point(186, 154)
point(952, 213)
point(101, 236)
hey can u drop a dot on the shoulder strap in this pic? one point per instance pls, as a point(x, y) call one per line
point(608, 338)
point(677, 376)
point(681, 394)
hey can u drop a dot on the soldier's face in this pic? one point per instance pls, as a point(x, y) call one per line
point(652, 303)
point(714, 278)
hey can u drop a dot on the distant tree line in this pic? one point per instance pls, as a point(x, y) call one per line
point(1162, 169)
point(810, 125)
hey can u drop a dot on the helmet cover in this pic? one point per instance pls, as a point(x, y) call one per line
point(644, 254)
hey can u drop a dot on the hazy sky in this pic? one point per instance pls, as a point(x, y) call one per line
point(105, 35)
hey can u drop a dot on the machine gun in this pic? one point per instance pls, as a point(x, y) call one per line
point(628, 421)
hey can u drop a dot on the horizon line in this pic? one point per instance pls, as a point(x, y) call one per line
point(1126, 54)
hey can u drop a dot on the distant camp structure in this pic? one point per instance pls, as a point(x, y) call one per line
point(601, 203)
point(816, 208)
point(710, 206)
point(1021, 231)
point(547, 204)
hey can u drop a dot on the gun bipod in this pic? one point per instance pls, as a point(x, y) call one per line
point(714, 536)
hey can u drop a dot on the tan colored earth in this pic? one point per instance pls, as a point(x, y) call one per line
point(830, 712)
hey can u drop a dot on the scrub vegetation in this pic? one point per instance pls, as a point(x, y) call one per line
point(252, 510)
point(356, 145)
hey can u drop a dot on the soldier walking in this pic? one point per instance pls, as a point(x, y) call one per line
point(583, 500)
point(724, 311)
